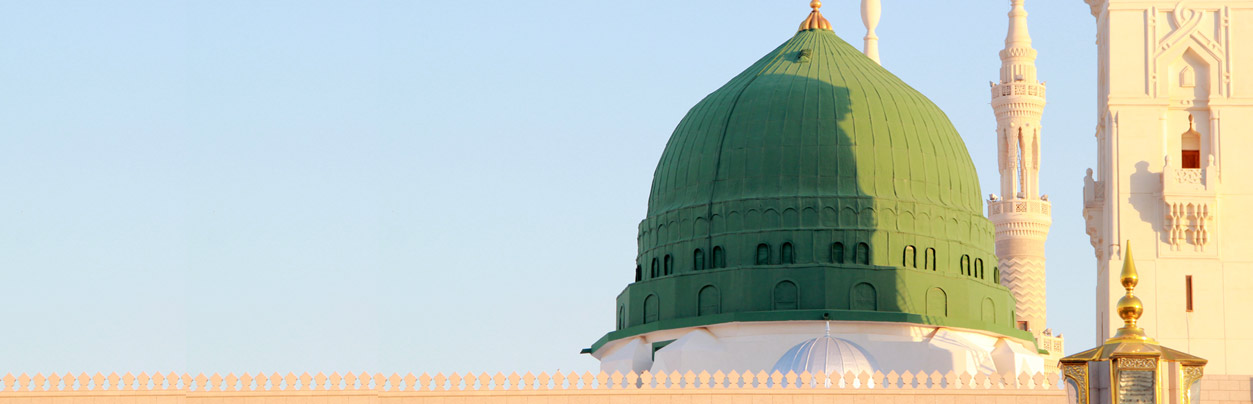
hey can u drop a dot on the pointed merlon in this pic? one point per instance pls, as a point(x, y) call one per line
point(815, 19)
point(870, 12)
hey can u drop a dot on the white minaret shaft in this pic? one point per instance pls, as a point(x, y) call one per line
point(1022, 216)
point(870, 12)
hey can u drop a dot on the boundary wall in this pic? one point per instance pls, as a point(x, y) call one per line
point(557, 388)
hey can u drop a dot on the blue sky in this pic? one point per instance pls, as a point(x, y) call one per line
point(411, 186)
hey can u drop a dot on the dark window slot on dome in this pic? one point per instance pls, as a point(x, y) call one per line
point(763, 254)
point(910, 257)
point(719, 258)
point(788, 254)
point(668, 265)
point(979, 268)
point(639, 273)
point(965, 265)
point(862, 256)
point(928, 260)
point(654, 272)
point(837, 253)
point(698, 260)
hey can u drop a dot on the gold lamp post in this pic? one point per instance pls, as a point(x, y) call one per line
point(1132, 368)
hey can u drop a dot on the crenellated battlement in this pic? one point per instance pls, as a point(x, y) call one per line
point(484, 382)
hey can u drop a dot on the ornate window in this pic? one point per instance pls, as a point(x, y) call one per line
point(1190, 144)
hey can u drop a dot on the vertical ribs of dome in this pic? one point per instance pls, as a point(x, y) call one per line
point(1022, 217)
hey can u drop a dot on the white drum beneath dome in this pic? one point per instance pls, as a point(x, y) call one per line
point(760, 346)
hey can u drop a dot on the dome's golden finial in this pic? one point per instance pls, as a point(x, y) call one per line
point(1130, 308)
point(815, 19)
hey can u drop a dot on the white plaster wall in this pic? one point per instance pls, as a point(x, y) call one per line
point(757, 346)
point(1138, 52)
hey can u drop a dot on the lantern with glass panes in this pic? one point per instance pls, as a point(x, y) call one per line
point(1132, 368)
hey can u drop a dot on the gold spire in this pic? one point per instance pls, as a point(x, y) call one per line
point(1130, 308)
point(815, 20)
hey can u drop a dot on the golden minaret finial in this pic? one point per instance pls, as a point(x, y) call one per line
point(1130, 308)
point(815, 20)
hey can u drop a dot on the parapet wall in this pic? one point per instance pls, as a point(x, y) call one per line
point(544, 388)
point(560, 388)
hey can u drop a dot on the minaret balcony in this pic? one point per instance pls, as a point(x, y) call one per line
point(999, 207)
point(1024, 218)
point(1018, 89)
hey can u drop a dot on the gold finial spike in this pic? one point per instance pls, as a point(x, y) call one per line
point(1129, 277)
point(1130, 308)
point(815, 19)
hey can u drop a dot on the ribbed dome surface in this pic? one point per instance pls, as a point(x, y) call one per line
point(815, 117)
point(825, 355)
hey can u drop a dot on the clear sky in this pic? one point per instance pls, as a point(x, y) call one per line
point(412, 186)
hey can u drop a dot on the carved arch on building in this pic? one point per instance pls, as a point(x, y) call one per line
point(1167, 54)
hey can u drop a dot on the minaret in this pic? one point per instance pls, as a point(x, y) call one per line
point(1022, 216)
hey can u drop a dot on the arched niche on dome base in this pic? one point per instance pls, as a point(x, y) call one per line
point(863, 296)
point(937, 302)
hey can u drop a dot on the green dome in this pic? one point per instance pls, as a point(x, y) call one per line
point(815, 184)
point(834, 123)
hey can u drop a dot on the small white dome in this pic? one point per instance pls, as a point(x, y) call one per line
point(826, 354)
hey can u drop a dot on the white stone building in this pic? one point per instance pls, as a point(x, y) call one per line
point(1174, 114)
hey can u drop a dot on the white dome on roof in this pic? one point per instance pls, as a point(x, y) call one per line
point(826, 355)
